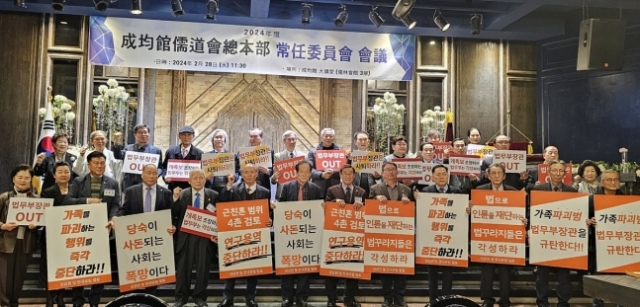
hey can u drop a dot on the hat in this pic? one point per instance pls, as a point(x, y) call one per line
point(186, 129)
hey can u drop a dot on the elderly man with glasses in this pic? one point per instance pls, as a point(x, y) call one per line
point(518, 181)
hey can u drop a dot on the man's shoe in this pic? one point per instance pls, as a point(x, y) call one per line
point(226, 303)
point(351, 302)
point(201, 304)
point(302, 303)
point(252, 303)
point(400, 303)
point(387, 303)
point(287, 303)
point(332, 303)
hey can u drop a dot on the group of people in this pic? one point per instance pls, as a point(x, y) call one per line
point(72, 180)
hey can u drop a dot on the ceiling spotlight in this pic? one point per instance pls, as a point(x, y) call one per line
point(136, 7)
point(476, 24)
point(440, 21)
point(375, 18)
point(341, 19)
point(176, 6)
point(305, 13)
point(19, 3)
point(57, 5)
point(212, 9)
point(401, 12)
point(101, 5)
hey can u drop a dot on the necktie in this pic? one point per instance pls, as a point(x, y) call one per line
point(197, 202)
point(348, 195)
point(555, 189)
point(147, 201)
point(300, 193)
point(291, 155)
point(441, 190)
point(250, 191)
point(184, 153)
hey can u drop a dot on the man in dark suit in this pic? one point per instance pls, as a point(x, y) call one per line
point(364, 180)
point(440, 175)
point(393, 286)
point(290, 140)
point(264, 173)
point(94, 188)
point(328, 177)
point(496, 173)
point(141, 133)
point(191, 249)
point(248, 189)
point(185, 151)
point(518, 181)
point(465, 183)
point(147, 197)
point(300, 189)
point(45, 162)
point(557, 170)
point(345, 193)
point(550, 153)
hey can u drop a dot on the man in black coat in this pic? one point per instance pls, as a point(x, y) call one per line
point(247, 189)
point(45, 162)
point(191, 249)
point(328, 177)
point(185, 151)
point(264, 173)
point(300, 189)
point(345, 193)
point(496, 173)
point(94, 188)
point(518, 181)
point(557, 170)
point(141, 133)
point(147, 197)
point(440, 175)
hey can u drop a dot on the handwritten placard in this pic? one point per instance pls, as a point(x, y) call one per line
point(368, 162)
point(178, 170)
point(219, 164)
point(259, 156)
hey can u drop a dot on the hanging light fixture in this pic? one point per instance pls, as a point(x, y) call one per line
point(375, 18)
point(306, 12)
point(341, 19)
point(176, 7)
point(136, 7)
point(212, 9)
point(440, 21)
point(401, 12)
point(476, 24)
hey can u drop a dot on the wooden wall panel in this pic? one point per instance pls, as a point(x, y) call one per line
point(20, 37)
point(522, 96)
point(522, 56)
point(477, 86)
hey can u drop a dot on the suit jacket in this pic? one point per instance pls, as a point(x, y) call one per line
point(316, 176)
point(336, 192)
point(238, 192)
point(310, 191)
point(8, 238)
point(381, 189)
point(134, 203)
point(510, 179)
point(132, 179)
point(176, 153)
point(219, 183)
point(46, 168)
point(547, 187)
point(80, 190)
point(365, 181)
point(450, 189)
point(283, 155)
point(179, 209)
point(489, 187)
point(54, 192)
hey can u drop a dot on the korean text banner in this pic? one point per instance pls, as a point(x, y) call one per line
point(78, 243)
point(442, 235)
point(343, 243)
point(243, 49)
point(617, 233)
point(497, 232)
point(145, 250)
point(389, 237)
point(27, 210)
point(558, 229)
point(298, 236)
point(244, 240)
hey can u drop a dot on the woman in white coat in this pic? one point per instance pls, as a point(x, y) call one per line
point(98, 141)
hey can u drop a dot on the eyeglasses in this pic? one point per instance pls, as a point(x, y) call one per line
point(557, 171)
point(611, 180)
point(389, 170)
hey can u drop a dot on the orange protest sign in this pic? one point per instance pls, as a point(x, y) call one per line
point(342, 252)
point(389, 237)
point(287, 169)
point(442, 234)
point(497, 232)
point(543, 174)
point(244, 240)
point(558, 229)
point(330, 159)
point(617, 233)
